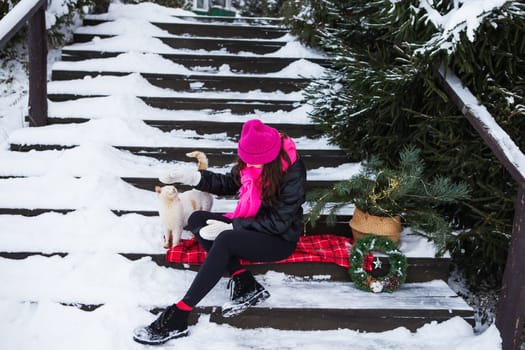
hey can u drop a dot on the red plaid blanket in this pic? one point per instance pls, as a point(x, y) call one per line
point(318, 248)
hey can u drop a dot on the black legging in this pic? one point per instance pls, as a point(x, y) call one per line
point(224, 253)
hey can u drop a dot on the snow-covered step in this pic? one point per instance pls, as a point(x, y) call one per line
point(411, 307)
point(194, 27)
point(149, 183)
point(162, 72)
point(203, 127)
point(226, 20)
point(220, 156)
point(236, 106)
point(140, 139)
point(155, 64)
point(107, 192)
point(241, 62)
point(419, 269)
point(295, 122)
point(233, 30)
point(154, 12)
point(89, 230)
point(136, 85)
point(129, 107)
point(90, 158)
point(194, 82)
point(238, 64)
point(110, 327)
point(134, 32)
point(232, 46)
point(142, 36)
point(111, 279)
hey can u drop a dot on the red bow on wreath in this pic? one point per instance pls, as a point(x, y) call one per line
point(368, 262)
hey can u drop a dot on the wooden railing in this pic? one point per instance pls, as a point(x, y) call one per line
point(32, 12)
point(511, 304)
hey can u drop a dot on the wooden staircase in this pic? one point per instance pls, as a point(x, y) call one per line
point(210, 101)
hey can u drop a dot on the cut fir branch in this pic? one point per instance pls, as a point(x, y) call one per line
point(389, 192)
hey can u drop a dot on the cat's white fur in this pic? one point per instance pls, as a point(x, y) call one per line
point(175, 208)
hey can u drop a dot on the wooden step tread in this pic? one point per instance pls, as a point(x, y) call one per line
point(66, 74)
point(220, 30)
point(235, 106)
point(234, 20)
point(310, 319)
point(418, 269)
point(149, 183)
point(274, 276)
point(204, 127)
point(232, 46)
point(87, 35)
point(340, 227)
point(217, 156)
point(95, 53)
point(299, 305)
point(237, 21)
point(202, 83)
point(199, 28)
point(137, 85)
point(152, 100)
point(238, 64)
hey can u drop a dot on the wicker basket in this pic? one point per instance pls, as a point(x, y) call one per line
point(363, 223)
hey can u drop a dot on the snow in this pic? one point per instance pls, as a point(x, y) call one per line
point(154, 63)
point(13, 17)
point(138, 34)
point(466, 16)
point(109, 326)
point(134, 132)
point(511, 151)
point(136, 85)
point(87, 178)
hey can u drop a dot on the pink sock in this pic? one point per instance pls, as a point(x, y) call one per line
point(238, 272)
point(183, 306)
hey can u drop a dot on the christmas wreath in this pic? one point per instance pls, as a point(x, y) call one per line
point(361, 264)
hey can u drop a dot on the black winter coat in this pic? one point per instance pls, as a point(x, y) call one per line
point(284, 218)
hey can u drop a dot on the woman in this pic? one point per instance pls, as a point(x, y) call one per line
point(265, 225)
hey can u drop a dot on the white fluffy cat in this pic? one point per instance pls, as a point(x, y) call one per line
point(175, 208)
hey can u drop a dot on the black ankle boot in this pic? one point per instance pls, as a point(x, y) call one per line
point(172, 323)
point(245, 291)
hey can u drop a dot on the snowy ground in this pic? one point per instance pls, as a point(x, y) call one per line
point(92, 272)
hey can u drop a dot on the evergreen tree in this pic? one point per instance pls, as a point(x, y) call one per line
point(381, 95)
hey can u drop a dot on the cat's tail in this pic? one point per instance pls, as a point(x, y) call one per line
point(202, 160)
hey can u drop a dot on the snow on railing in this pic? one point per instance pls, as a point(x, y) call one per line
point(33, 12)
point(510, 312)
point(496, 138)
point(15, 19)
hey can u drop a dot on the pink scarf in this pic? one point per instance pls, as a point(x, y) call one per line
point(250, 191)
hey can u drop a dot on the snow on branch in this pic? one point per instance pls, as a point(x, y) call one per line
point(465, 16)
point(496, 138)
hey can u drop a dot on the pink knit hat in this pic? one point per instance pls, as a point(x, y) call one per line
point(259, 143)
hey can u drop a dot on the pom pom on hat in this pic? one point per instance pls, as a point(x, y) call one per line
point(259, 143)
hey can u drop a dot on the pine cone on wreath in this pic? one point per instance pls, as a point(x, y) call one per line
point(392, 283)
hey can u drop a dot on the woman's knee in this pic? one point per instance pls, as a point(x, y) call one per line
point(225, 239)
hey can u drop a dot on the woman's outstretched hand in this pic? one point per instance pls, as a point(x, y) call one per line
point(181, 175)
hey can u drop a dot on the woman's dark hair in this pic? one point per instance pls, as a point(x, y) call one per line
point(272, 175)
